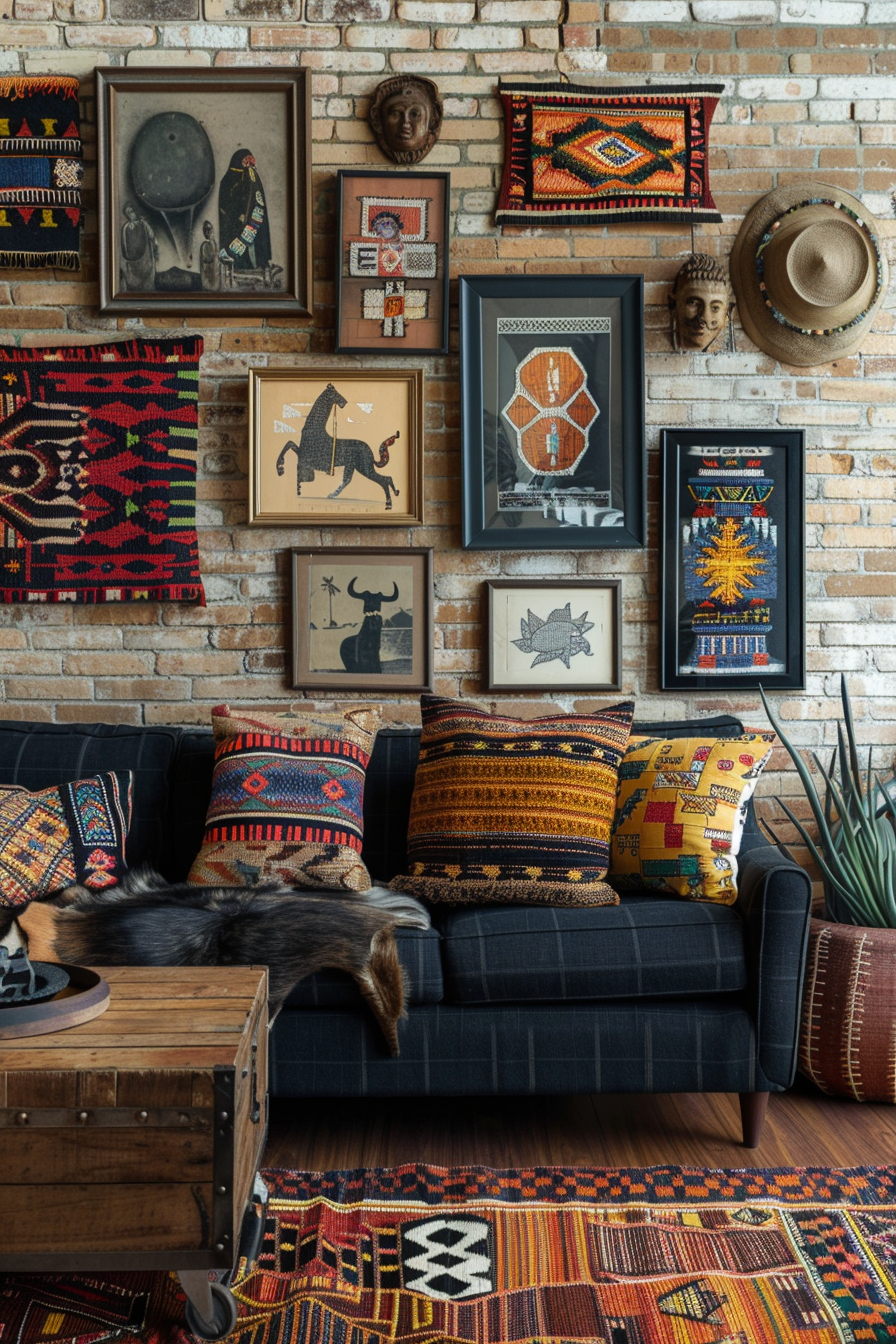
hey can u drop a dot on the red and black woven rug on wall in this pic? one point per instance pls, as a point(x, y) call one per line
point(98, 448)
point(421, 1254)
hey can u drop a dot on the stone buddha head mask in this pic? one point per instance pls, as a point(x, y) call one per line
point(406, 116)
point(699, 303)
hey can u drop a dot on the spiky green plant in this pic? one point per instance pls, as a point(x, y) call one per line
point(856, 845)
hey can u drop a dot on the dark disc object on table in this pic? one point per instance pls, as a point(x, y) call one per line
point(49, 978)
point(80, 996)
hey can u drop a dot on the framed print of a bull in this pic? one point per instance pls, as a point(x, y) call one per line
point(552, 411)
point(336, 446)
point(362, 619)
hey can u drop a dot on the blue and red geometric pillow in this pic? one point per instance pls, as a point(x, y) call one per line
point(98, 472)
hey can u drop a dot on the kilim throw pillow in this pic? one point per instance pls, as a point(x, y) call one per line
point(40, 171)
point(287, 795)
point(98, 472)
point(57, 837)
point(680, 813)
point(511, 809)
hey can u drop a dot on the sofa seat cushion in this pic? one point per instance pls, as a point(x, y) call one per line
point(645, 946)
point(421, 964)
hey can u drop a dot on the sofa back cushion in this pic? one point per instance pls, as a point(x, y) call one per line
point(37, 756)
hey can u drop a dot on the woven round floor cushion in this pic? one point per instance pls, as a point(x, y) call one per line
point(848, 1026)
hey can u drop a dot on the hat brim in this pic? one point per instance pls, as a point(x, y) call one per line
point(783, 343)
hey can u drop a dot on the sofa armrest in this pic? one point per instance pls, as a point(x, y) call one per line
point(774, 900)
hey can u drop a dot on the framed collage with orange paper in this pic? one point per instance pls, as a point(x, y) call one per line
point(552, 411)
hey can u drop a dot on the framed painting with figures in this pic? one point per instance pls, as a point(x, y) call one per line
point(392, 269)
point(733, 549)
point(552, 411)
point(336, 446)
point(204, 186)
point(362, 619)
point(554, 635)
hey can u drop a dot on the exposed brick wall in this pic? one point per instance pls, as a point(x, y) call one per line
point(810, 89)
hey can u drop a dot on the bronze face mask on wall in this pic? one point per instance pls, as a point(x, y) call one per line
point(699, 303)
point(406, 116)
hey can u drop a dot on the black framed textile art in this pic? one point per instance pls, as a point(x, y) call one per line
point(580, 155)
point(98, 472)
point(733, 608)
point(552, 411)
point(40, 171)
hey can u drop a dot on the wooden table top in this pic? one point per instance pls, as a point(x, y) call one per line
point(158, 1017)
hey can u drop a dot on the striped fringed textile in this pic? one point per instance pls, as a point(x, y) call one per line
point(848, 1022)
point(420, 1254)
point(40, 171)
point(580, 155)
point(509, 809)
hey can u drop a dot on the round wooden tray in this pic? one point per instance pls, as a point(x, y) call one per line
point(85, 996)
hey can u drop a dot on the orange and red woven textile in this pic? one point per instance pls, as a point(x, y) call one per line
point(579, 155)
point(419, 1254)
point(98, 472)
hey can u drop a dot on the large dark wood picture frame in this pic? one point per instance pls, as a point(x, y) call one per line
point(362, 618)
point(733, 547)
point(204, 186)
point(552, 411)
point(392, 265)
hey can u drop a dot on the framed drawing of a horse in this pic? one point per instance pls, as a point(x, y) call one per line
point(336, 445)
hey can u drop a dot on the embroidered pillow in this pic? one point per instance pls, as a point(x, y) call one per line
point(57, 837)
point(511, 809)
point(680, 813)
point(287, 796)
point(98, 472)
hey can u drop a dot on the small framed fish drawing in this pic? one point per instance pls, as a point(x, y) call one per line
point(554, 635)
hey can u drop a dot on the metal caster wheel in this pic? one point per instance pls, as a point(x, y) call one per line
point(225, 1315)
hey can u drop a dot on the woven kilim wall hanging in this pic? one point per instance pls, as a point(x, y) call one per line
point(576, 155)
point(40, 171)
point(98, 473)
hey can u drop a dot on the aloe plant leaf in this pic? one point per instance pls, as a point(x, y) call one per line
point(853, 905)
point(850, 730)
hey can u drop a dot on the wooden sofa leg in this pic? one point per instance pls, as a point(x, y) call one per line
point(753, 1106)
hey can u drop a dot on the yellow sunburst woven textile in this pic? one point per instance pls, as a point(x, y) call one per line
point(680, 813)
point(511, 809)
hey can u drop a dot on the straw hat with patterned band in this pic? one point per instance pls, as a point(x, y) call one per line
point(809, 273)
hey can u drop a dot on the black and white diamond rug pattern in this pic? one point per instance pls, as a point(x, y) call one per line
point(448, 1257)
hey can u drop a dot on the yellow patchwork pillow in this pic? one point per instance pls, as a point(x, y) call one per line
point(680, 809)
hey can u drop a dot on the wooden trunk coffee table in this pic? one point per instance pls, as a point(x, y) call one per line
point(132, 1141)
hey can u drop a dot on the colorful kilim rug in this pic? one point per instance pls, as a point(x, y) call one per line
point(575, 155)
point(98, 472)
point(660, 1255)
point(40, 171)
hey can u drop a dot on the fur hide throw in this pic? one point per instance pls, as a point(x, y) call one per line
point(146, 921)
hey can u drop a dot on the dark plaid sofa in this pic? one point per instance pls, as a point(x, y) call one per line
point(653, 995)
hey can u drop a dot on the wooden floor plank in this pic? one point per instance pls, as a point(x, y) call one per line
point(804, 1128)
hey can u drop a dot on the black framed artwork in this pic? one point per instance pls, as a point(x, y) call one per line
point(552, 411)
point(392, 268)
point(733, 608)
point(204, 190)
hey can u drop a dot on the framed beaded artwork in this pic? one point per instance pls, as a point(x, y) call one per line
point(336, 446)
point(362, 619)
point(392, 268)
point(552, 411)
point(554, 635)
point(733, 589)
point(204, 186)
